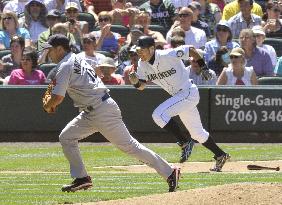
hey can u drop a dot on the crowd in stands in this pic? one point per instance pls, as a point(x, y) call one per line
point(240, 40)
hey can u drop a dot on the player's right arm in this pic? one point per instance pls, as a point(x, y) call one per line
point(136, 82)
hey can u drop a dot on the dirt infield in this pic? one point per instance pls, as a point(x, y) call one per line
point(230, 194)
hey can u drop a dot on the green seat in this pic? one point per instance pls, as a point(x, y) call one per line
point(276, 43)
point(4, 52)
point(270, 81)
point(122, 30)
point(47, 67)
point(158, 28)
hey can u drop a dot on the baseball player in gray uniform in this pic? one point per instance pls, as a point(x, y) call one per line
point(166, 69)
point(99, 113)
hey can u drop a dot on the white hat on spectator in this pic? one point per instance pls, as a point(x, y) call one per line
point(72, 4)
point(258, 30)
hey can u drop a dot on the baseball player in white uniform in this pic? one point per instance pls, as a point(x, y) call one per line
point(99, 113)
point(166, 69)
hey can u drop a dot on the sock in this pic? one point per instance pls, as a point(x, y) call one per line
point(210, 144)
point(173, 127)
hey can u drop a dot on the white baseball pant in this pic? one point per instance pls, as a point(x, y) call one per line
point(184, 103)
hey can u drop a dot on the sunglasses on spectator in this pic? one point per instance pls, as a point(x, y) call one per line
point(276, 10)
point(183, 15)
point(86, 41)
point(7, 18)
point(103, 19)
point(234, 57)
point(224, 29)
point(72, 11)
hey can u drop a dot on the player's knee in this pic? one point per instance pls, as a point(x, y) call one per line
point(200, 136)
point(158, 118)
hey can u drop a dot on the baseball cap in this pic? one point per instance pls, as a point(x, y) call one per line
point(107, 62)
point(71, 4)
point(54, 13)
point(89, 36)
point(57, 40)
point(258, 30)
point(194, 5)
point(237, 52)
point(145, 42)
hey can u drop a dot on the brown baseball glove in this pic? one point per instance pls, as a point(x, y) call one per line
point(47, 95)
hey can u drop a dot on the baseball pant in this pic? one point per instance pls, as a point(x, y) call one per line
point(106, 119)
point(184, 104)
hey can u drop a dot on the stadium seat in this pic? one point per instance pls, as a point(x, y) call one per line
point(82, 16)
point(47, 67)
point(276, 43)
point(122, 30)
point(159, 28)
point(270, 81)
point(4, 52)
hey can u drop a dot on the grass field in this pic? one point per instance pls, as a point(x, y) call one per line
point(18, 186)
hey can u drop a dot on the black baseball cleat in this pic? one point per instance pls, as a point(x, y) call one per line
point(219, 162)
point(78, 184)
point(173, 179)
point(187, 148)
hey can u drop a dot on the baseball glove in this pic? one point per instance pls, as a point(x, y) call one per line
point(47, 95)
point(133, 78)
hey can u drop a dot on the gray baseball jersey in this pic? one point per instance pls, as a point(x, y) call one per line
point(168, 70)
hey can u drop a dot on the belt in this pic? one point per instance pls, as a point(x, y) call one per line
point(91, 108)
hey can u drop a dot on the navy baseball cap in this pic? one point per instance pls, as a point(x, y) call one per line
point(57, 40)
point(145, 42)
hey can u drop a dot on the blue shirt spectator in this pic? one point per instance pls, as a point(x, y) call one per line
point(5, 37)
point(278, 68)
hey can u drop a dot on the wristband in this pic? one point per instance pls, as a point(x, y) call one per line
point(137, 85)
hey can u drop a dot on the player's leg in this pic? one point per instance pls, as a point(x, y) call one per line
point(191, 119)
point(113, 129)
point(162, 116)
point(77, 129)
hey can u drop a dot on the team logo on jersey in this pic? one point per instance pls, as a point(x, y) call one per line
point(179, 53)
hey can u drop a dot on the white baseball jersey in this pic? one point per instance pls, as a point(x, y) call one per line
point(78, 78)
point(168, 70)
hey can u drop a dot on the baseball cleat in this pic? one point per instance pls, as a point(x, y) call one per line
point(186, 150)
point(219, 162)
point(78, 184)
point(173, 179)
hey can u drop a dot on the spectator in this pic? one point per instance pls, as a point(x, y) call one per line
point(137, 3)
point(196, 22)
point(89, 54)
point(10, 27)
point(27, 74)
point(210, 13)
point(223, 37)
point(53, 17)
point(193, 36)
point(177, 41)
point(13, 60)
point(244, 19)
point(75, 27)
point(144, 19)
point(220, 60)
point(256, 57)
point(278, 68)
point(232, 8)
point(260, 37)
point(16, 6)
point(107, 67)
point(94, 7)
point(162, 12)
point(219, 3)
point(178, 4)
point(272, 22)
point(195, 72)
point(237, 73)
point(134, 64)
point(60, 4)
point(34, 19)
point(106, 39)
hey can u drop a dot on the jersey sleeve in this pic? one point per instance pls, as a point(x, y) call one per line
point(181, 52)
point(62, 79)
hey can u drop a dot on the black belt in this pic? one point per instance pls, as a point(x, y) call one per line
point(104, 98)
